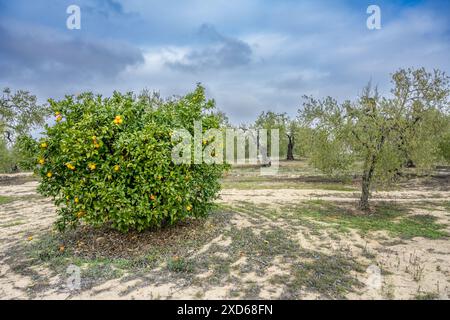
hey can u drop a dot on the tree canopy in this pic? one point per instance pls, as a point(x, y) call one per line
point(385, 133)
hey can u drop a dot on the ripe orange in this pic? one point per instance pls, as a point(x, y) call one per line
point(70, 166)
point(92, 166)
point(118, 120)
point(44, 145)
point(49, 174)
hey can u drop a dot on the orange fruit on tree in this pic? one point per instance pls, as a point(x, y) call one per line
point(70, 166)
point(118, 120)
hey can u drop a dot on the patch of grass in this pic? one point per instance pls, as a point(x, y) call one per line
point(446, 205)
point(9, 199)
point(12, 224)
point(388, 217)
point(329, 275)
point(255, 183)
point(5, 199)
point(426, 296)
point(180, 265)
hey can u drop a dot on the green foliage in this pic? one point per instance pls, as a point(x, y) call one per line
point(25, 151)
point(19, 114)
point(270, 120)
point(108, 161)
point(289, 132)
point(444, 143)
point(6, 162)
point(386, 134)
point(329, 154)
point(178, 264)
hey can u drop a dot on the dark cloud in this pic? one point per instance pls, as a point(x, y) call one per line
point(41, 55)
point(217, 51)
point(259, 54)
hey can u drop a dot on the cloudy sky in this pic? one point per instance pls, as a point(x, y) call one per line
point(251, 55)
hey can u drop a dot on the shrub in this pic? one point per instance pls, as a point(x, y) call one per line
point(6, 162)
point(25, 150)
point(444, 147)
point(108, 161)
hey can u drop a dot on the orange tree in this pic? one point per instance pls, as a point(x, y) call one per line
point(107, 161)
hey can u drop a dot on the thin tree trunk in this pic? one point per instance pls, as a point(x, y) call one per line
point(366, 183)
point(364, 201)
point(290, 150)
point(367, 177)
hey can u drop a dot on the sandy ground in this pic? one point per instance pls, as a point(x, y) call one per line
point(399, 270)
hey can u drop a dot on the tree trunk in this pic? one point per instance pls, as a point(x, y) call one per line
point(366, 183)
point(364, 201)
point(290, 148)
point(410, 164)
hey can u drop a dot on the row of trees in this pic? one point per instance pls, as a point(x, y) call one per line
point(410, 127)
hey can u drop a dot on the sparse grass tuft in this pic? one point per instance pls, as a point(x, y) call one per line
point(328, 275)
point(388, 217)
point(5, 199)
point(427, 296)
point(180, 265)
point(12, 224)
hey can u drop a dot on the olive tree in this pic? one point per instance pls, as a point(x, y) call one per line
point(288, 130)
point(20, 113)
point(385, 133)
